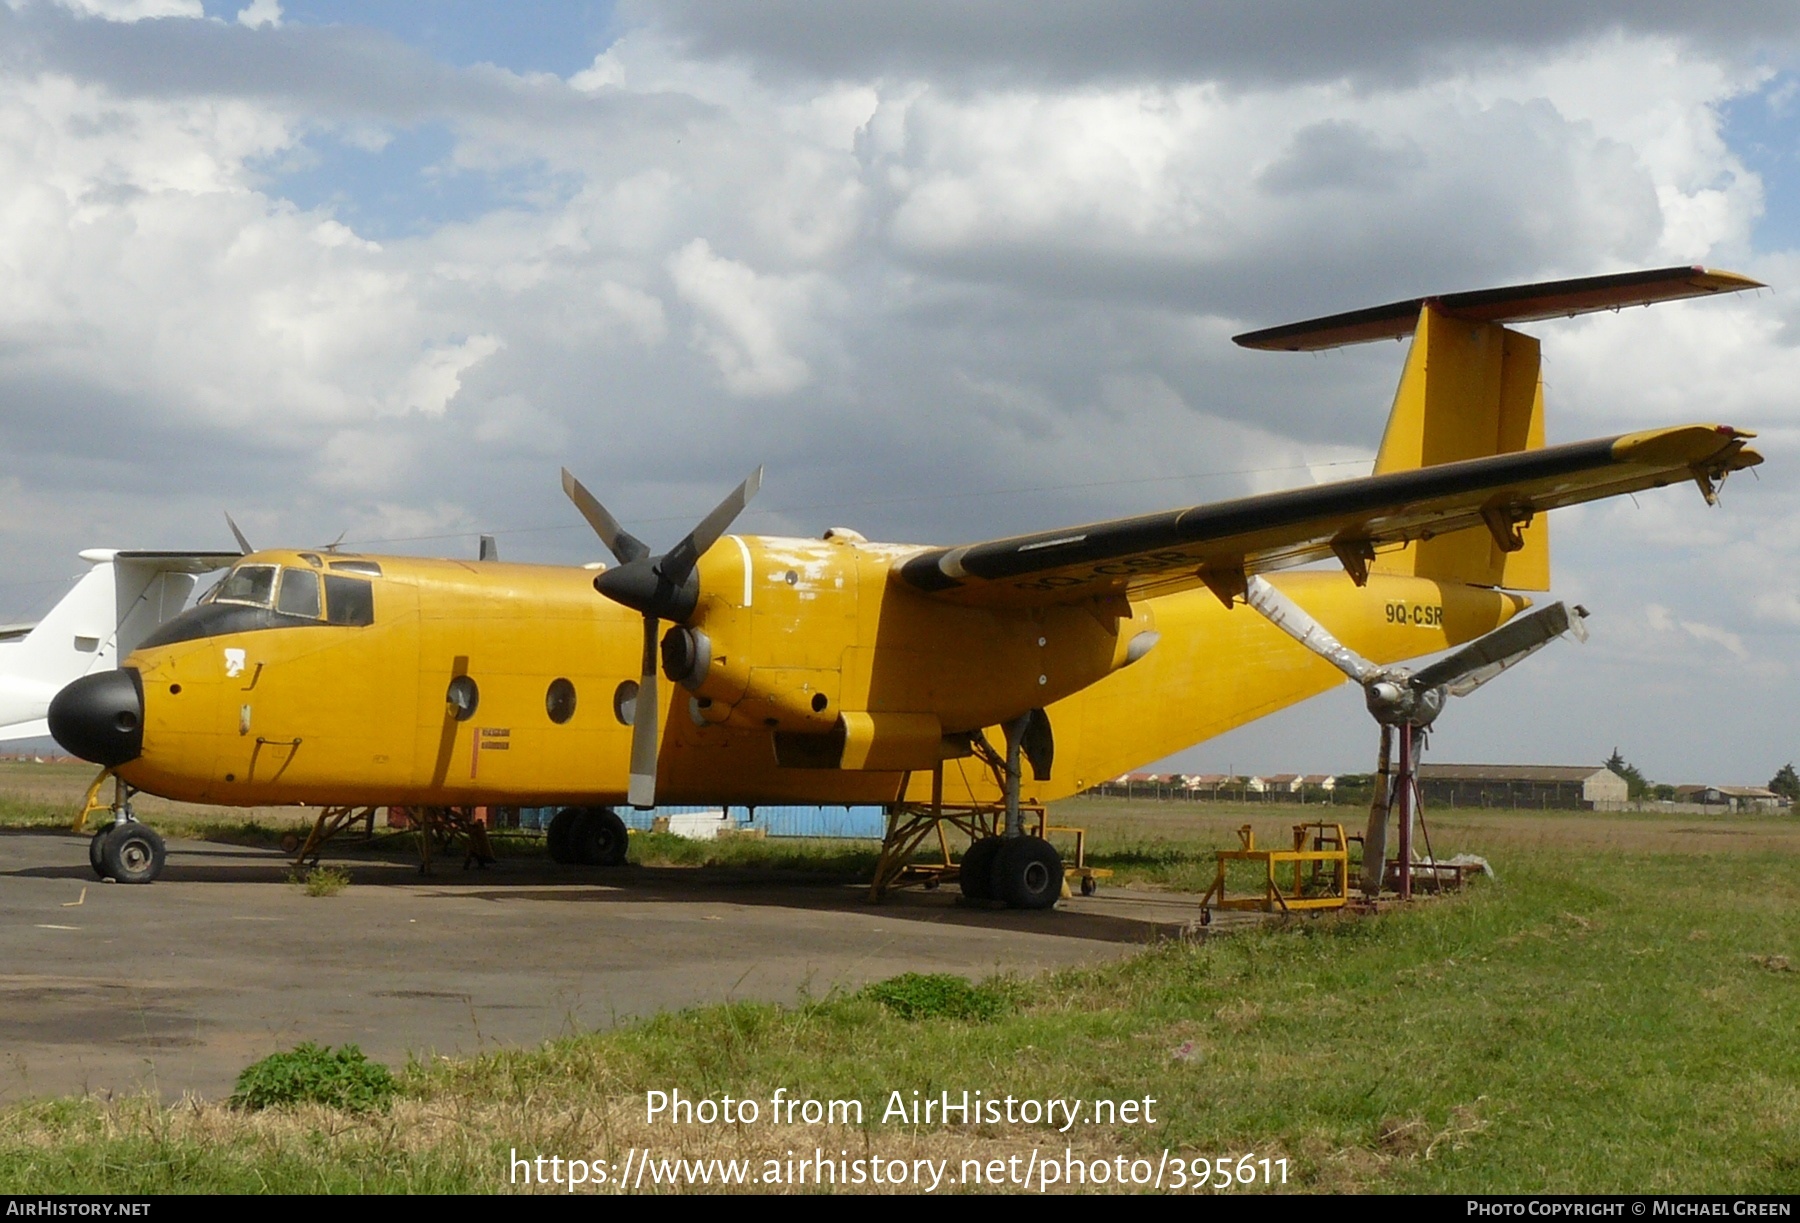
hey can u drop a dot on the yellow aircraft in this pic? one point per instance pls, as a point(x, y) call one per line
point(840, 671)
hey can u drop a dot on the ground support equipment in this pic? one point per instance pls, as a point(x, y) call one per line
point(1324, 886)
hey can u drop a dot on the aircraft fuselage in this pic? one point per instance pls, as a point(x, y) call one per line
point(397, 680)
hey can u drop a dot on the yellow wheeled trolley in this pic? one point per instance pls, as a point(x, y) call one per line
point(1320, 876)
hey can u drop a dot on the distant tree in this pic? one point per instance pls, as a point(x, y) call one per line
point(1662, 793)
point(1786, 782)
point(1635, 782)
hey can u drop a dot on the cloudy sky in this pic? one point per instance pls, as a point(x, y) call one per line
point(951, 271)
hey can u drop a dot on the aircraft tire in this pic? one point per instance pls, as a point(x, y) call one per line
point(559, 837)
point(132, 853)
point(1028, 873)
point(976, 875)
point(600, 837)
point(95, 843)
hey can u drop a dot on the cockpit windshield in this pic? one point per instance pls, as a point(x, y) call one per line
point(254, 597)
point(253, 585)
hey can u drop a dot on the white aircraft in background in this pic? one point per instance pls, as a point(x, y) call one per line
point(99, 622)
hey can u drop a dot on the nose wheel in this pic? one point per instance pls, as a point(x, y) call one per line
point(127, 852)
point(123, 851)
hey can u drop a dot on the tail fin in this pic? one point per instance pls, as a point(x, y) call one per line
point(93, 627)
point(1471, 388)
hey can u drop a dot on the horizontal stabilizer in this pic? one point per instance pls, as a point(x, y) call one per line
point(93, 627)
point(1513, 304)
point(38, 728)
point(166, 562)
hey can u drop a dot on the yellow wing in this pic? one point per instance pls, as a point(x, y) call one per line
point(1218, 545)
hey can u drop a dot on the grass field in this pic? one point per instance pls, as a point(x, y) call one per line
point(1616, 1012)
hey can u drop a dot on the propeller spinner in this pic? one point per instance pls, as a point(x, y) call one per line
point(658, 588)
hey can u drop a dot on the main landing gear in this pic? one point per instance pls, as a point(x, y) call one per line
point(587, 836)
point(1025, 872)
point(1004, 862)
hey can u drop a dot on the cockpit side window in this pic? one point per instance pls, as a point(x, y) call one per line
point(250, 584)
point(299, 594)
point(348, 601)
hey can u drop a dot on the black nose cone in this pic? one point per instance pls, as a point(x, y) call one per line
point(100, 717)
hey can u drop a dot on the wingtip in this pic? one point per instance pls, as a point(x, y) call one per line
point(1728, 282)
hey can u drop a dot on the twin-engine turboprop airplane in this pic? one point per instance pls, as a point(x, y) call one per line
point(835, 670)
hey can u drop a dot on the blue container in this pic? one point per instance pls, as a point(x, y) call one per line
point(845, 823)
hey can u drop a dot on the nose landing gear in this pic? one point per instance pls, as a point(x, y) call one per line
point(124, 850)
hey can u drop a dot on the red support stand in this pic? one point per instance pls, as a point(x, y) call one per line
point(1403, 784)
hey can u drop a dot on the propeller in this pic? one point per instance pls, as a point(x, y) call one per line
point(243, 544)
point(1398, 696)
point(1410, 701)
point(657, 588)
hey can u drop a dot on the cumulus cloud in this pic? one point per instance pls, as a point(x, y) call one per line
point(136, 10)
point(259, 13)
point(743, 320)
point(434, 380)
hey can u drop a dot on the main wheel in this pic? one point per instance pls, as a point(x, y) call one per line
point(976, 875)
point(600, 837)
point(132, 853)
point(1028, 873)
point(94, 845)
point(559, 837)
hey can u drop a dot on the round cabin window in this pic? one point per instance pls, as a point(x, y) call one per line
point(625, 702)
point(559, 701)
point(462, 697)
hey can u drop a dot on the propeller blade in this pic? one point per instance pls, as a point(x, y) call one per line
point(680, 560)
point(620, 542)
point(646, 713)
point(1292, 619)
point(242, 543)
point(1485, 657)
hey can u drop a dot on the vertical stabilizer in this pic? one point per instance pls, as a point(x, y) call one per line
point(1469, 390)
point(93, 628)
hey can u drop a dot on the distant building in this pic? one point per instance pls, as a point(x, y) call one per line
point(1204, 787)
point(1732, 798)
point(1573, 787)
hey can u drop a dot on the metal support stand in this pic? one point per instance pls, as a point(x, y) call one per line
point(1406, 786)
point(1374, 865)
point(909, 824)
point(330, 822)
